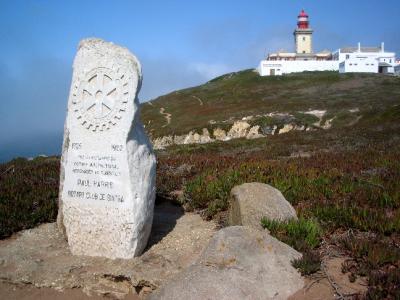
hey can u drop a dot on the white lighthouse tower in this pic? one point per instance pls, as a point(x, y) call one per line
point(303, 34)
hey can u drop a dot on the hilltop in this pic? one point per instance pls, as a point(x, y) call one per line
point(309, 98)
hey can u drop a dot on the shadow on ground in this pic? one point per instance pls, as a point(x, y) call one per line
point(166, 215)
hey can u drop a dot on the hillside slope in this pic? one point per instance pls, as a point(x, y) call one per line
point(343, 181)
point(344, 97)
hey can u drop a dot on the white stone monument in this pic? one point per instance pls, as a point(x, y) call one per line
point(107, 186)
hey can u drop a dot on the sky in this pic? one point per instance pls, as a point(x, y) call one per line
point(180, 43)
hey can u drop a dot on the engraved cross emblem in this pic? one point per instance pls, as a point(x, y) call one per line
point(100, 98)
point(99, 95)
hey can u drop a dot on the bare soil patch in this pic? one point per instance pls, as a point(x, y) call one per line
point(330, 282)
point(40, 258)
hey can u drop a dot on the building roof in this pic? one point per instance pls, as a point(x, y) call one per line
point(305, 55)
point(303, 14)
point(363, 49)
point(384, 64)
point(324, 53)
point(283, 54)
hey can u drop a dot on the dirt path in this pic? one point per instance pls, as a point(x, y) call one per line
point(40, 258)
point(167, 116)
point(198, 99)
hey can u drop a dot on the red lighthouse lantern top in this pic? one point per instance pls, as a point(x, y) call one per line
point(302, 20)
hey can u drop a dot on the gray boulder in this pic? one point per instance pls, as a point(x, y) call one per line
point(239, 263)
point(250, 202)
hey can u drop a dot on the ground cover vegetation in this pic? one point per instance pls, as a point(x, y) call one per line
point(236, 95)
point(28, 193)
point(303, 235)
point(353, 190)
point(344, 182)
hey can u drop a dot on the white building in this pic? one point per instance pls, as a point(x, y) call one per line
point(270, 67)
point(365, 60)
point(351, 59)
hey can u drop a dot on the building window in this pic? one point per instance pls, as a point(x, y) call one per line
point(356, 64)
point(304, 38)
point(390, 60)
point(347, 56)
point(351, 64)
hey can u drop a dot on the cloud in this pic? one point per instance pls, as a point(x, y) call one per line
point(236, 44)
point(164, 75)
point(216, 51)
point(210, 70)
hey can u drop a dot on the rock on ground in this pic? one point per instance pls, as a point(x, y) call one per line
point(286, 128)
point(250, 202)
point(196, 138)
point(163, 142)
point(239, 263)
point(239, 129)
point(254, 133)
point(220, 134)
point(41, 257)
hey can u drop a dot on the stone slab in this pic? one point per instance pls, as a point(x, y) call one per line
point(239, 263)
point(250, 202)
point(107, 186)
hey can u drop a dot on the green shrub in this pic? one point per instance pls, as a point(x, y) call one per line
point(304, 235)
point(300, 234)
point(305, 119)
point(365, 219)
point(267, 121)
point(309, 263)
point(211, 190)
